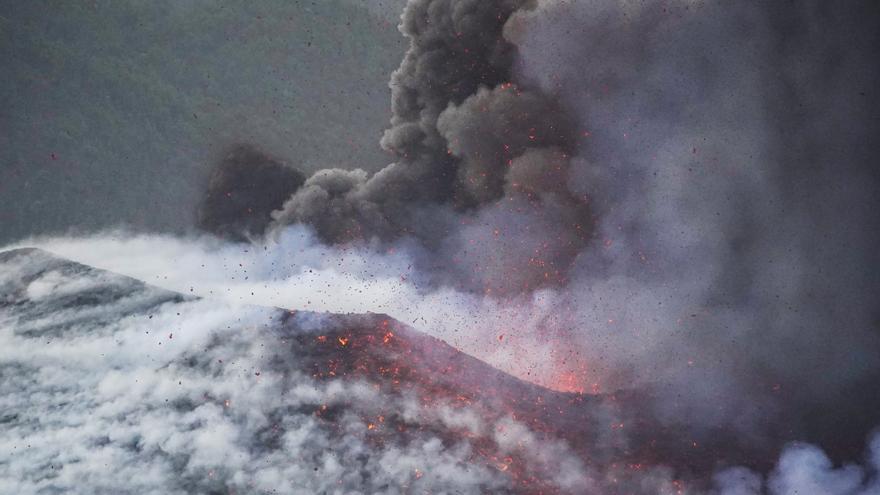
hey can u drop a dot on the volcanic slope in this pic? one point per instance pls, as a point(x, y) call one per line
point(110, 385)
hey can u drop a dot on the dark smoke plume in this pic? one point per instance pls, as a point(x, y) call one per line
point(732, 162)
point(696, 176)
point(244, 189)
point(473, 148)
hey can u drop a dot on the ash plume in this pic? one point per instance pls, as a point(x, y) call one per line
point(691, 181)
point(668, 198)
point(472, 147)
point(244, 188)
point(732, 165)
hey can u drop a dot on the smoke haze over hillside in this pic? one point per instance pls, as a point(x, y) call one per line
point(669, 197)
point(130, 104)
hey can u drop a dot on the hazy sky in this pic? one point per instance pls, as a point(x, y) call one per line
point(113, 112)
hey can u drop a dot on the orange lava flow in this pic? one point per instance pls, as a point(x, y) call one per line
point(568, 382)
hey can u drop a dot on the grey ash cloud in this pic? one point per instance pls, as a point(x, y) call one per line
point(695, 179)
point(244, 188)
point(113, 386)
point(732, 166)
point(469, 142)
point(675, 198)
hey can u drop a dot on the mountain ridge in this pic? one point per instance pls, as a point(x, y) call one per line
point(367, 385)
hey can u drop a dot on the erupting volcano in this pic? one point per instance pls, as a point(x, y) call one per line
point(621, 247)
point(371, 386)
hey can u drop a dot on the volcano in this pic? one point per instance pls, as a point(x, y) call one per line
point(111, 385)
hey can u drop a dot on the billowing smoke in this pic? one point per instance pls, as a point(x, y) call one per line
point(473, 150)
point(692, 181)
point(731, 163)
point(674, 197)
point(244, 189)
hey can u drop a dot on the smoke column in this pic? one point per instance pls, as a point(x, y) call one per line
point(692, 182)
point(671, 197)
point(480, 176)
point(245, 187)
point(732, 164)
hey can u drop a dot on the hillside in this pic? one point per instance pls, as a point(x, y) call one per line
point(176, 394)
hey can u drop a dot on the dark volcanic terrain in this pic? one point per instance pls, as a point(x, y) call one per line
point(175, 394)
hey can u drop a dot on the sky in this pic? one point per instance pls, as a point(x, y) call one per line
point(114, 113)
